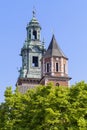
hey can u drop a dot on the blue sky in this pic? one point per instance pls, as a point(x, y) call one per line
point(67, 19)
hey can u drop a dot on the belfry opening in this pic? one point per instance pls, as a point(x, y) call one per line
point(34, 34)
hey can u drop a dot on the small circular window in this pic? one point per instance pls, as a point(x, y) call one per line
point(57, 84)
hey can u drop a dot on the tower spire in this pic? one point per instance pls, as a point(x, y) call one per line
point(34, 12)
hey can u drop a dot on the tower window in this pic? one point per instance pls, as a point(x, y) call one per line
point(57, 67)
point(35, 61)
point(34, 34)
point(48, 69)
point(64, 68)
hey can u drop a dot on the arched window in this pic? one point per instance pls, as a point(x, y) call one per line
point(57, 84)
point(47, 67)
point(34, 34)
point(57, 67)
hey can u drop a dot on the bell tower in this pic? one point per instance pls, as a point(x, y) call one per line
point(40, 66)
point(31, 53)
point(33, 29)
point(55, 65)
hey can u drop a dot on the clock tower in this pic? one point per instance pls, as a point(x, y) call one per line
point(31, 53)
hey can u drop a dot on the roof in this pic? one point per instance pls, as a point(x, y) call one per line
point(33, 23)
point(54, 49)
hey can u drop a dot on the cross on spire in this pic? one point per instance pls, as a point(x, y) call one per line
point(34, 12)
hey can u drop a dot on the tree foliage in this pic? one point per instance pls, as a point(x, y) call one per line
point(45, 108)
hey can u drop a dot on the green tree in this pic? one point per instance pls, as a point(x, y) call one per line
point(45, 108)
point(78, 109)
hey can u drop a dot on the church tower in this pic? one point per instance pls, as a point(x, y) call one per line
point(31, 52)
point(38, 65)
point(55, 66)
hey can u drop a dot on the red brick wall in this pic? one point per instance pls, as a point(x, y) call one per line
point(61, 83)
point(55, 60)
